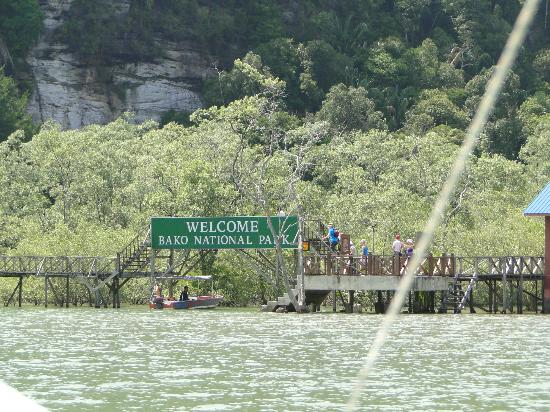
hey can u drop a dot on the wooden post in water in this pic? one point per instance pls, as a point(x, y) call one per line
point(443, 306)
point(97, 299)
point(117, 278)
point(379, 306)
point(112, 289)
point(504, 286)
point(334, 300)
point(117, 292)
point(536, 296)
point(490, 295)
point(67, 292)
point(45, 291)
point(520, 286)
point(20, 297)
point(546, 277)
point(351, 300)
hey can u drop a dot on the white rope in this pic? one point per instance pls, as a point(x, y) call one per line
point(494, 86)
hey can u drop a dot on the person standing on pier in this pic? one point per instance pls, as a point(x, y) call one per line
point(397, 245)
point(364, 251)
point(410, 248)
point(333, 237)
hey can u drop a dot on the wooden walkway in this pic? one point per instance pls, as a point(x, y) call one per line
point(138, 260)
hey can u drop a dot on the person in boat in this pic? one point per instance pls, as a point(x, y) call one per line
point(184, 293)
point(157, 294)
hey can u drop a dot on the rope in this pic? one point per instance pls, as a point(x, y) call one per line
point(494, 86)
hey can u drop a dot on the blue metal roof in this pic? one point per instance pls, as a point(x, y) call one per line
point(540, 206)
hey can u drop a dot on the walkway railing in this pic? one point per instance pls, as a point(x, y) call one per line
point(380, 265)
point(56, 265)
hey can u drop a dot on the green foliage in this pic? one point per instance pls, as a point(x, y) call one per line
point(20, 25)
point(349, 108)
point(541, 64)
point(177, 117)
point(90, 29)
point(352, 111)
point(248, 77)
point(13, 115)
point(435, 108)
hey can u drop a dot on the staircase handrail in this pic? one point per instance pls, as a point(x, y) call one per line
point(135, 247)
point(318, 232)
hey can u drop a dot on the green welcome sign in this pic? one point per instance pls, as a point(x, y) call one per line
point(228, 232)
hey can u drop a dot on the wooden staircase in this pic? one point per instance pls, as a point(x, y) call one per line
point(136, 255)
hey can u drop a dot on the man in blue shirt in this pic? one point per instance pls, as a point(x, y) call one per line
point(333, 237)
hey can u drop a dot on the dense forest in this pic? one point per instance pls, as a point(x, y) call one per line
point(347, 111)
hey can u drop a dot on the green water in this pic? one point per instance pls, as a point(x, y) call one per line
point(136, 359)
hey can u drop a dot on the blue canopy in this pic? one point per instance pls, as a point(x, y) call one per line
point(540, 206)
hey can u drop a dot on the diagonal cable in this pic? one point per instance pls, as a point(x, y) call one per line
point(494, 86)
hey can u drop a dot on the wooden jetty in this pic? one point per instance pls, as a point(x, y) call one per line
point(443, 283)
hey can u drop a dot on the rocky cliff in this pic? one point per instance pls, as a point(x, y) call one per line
point(75, 94)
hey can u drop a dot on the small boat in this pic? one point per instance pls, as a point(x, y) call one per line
point(194, 302)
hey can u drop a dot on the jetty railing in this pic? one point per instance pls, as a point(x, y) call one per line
point(445, 265)
point(57, 265)
point(462, 267)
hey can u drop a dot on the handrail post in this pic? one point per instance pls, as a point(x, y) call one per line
point(453, 265)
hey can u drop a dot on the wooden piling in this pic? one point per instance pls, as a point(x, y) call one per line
point(490, 295)
point(334, 301)
point(67, 292)
point(97, 299)
point(20, 297)
point(443, 302)
point(546, 276)
point(504, 286)
point(536, 296)
point(45, 291)
point(118, 292)
point(351, 300)
point(112, 289)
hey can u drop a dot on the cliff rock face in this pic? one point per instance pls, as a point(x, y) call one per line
point(74, 94)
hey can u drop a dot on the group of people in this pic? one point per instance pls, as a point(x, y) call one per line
point(333, 238)
point(398, 247)
point(157, 293)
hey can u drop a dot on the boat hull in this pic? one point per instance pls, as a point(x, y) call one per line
point(199, 302)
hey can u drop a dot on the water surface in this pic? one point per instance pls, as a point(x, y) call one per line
point(136, 359)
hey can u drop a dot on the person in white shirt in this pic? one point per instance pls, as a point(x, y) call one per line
point(397, 245)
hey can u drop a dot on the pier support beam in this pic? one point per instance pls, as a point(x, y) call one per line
point(351, 301)
point(18, 288)
point(45, 291)
point(67, 292)
point(546, 277)
point(379, 306)
point(20, 297)
point(97, 299)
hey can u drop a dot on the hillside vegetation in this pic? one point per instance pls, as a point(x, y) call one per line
point(350, 110)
